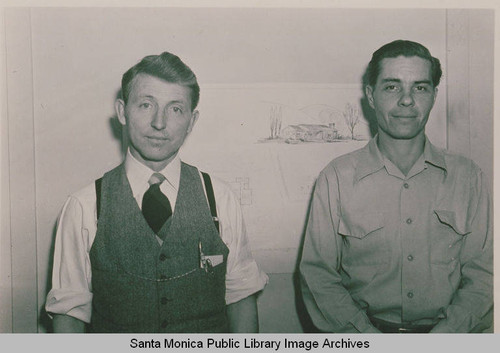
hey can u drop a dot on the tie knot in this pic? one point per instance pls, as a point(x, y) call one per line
point(156, 178)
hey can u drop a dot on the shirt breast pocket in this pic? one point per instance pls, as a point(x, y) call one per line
point(364, 240)
point(449, 231)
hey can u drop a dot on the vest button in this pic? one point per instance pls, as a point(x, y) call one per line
point(164, 323)
point(163, 277)
point(163, 257)
point(164, 300)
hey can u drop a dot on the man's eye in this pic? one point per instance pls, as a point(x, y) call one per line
point(145, 105)
point(421, 88)
point(177, 110)
point(391, 88)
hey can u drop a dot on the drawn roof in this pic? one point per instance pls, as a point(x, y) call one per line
point(312, 127)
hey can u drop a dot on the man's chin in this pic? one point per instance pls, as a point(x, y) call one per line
point(403, 135)
point(159, 158)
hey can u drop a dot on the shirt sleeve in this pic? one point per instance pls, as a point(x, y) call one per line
point(71, 275)
point(471, 308)
point(327, 301)
point(243, 276)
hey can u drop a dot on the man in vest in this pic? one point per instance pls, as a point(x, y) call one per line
point(399, 238)
point(154, 245)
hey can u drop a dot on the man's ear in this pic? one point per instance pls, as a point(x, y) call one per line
point(120, 111)
point(369, 95)
point(194, 119)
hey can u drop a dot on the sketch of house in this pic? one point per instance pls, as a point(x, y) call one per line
point(316, 122)
point(310, 133)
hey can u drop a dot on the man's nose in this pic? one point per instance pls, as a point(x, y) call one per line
point(406, 99)
point(159, 121)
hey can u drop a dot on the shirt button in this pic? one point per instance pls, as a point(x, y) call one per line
point(410, 258)
point(163, 257)
point(164, 323)
point(410, 295)
point(408, 221)
point(406, 186)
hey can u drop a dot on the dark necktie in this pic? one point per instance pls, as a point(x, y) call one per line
point(155, 205)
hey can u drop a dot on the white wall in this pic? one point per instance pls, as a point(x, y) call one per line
point(5, 252)
point(74, 62)
point(470, 123)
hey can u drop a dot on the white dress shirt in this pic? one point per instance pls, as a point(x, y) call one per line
point(71, 292)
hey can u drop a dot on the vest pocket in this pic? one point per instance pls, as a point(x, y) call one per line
point(448, 231)
point(364, 240)
point(123, 301)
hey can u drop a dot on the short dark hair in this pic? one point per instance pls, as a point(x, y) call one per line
point(166, 66)
point(402, 48)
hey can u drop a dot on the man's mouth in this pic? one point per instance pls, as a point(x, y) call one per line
point(404, 116)
point(157, 138)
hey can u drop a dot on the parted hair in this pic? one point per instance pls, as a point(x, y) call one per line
point(166, 66)
point(405, 48)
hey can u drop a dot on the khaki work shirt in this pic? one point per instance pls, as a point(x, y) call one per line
point(405, 249)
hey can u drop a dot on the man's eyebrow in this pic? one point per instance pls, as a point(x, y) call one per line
point(429, 82)
point(147, 96)
point(177, 101)
point(390, 79)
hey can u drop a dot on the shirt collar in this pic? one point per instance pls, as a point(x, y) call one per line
point(371, 159)
point(138, 174)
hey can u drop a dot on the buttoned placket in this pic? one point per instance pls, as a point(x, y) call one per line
point(410, 241)
point(406, 220)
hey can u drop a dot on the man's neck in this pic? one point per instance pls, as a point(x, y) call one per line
point(403, 153)
point(156, 166)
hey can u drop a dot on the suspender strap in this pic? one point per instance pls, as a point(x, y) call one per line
point(211, 198)
point(208, 186)
point(98, 184)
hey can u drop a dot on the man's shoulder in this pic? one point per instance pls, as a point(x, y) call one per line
point(347, 162)
point(458, 163)
point(87, 193)
point(83, 199)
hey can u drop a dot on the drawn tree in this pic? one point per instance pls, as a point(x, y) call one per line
point(275, 118)
point(352, 117)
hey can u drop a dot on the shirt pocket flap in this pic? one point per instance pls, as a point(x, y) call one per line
point(362, 225)
point(450, 218)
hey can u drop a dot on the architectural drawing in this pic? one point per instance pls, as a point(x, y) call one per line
point(352, 117)
point(275, 122)
point(310, 133)
point(316, 123)
point(241, 187)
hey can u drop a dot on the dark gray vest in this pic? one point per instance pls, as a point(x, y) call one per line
point(139, 286)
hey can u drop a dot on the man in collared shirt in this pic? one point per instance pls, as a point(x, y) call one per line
point(399, 237)
point(154, 245)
